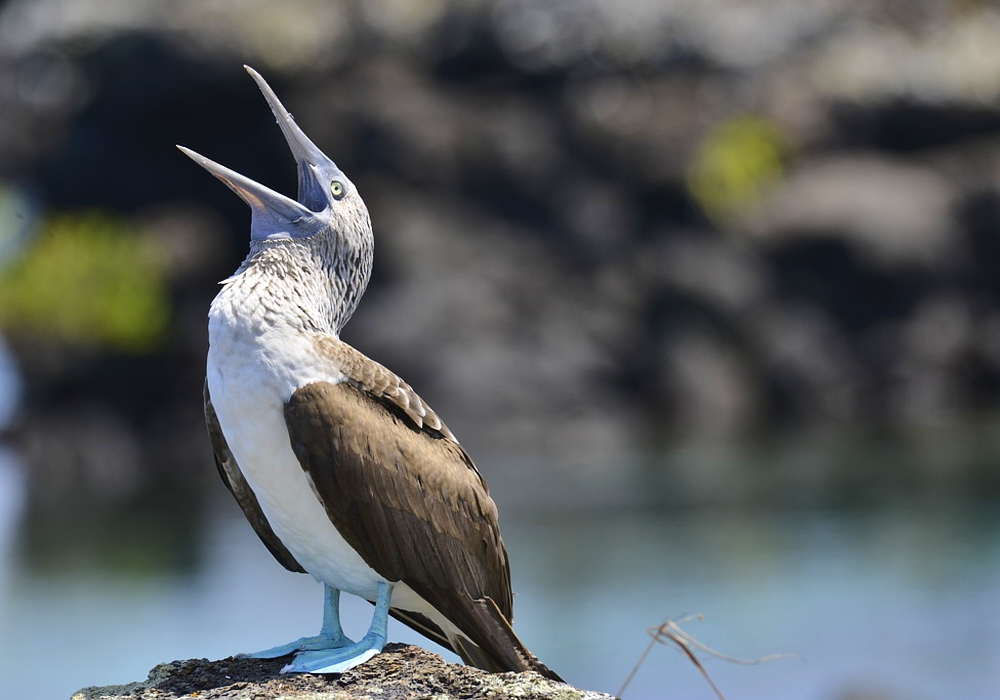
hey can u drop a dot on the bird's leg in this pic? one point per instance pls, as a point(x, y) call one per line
point(330, 636)
point(346, 657)
point(331, 618)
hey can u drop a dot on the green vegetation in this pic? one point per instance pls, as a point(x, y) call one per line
point(736, 162)
point(88, 278)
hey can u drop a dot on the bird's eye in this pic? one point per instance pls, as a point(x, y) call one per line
point(337, 188)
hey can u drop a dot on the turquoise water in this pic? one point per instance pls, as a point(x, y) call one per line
point(894, 602)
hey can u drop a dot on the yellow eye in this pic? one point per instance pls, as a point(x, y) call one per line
point(336, 188)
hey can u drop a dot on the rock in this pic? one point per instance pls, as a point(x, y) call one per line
point(399, 672)
point(548, 275)
point(892, 214)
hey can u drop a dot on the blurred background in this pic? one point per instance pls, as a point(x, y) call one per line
point(709, 290)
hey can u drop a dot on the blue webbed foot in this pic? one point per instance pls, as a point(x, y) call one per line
point(330, 636)
point(347, 657)
point(317, 642)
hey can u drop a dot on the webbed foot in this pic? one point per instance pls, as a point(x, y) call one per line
point(346, 657)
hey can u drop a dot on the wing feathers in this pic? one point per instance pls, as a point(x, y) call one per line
point(409, 503)
point(378, 381)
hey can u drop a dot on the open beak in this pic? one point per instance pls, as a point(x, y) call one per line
point(308, 158)
point(261, 199)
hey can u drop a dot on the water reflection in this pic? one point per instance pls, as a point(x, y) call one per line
point(903, 600)
point(896, 602)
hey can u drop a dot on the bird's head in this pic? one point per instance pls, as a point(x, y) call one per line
point(329, 218)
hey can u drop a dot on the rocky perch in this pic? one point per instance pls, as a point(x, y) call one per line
point(399, 672)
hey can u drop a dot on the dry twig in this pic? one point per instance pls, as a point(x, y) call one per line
point(670, 633)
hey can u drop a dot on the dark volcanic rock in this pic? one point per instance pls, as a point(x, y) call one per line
point(399, 672)
point(598, 233)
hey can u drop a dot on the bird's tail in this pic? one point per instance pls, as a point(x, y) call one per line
point(497, 650)
point(502, 651)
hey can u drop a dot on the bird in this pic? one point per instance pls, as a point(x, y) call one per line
point(340, 467)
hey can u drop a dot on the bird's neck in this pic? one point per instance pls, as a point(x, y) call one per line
point(295, 285)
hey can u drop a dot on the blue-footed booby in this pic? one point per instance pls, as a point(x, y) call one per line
point(343, 471)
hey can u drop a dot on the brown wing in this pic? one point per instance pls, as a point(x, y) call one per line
point(408, 498)
point(381, 383)
point(233, 478)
